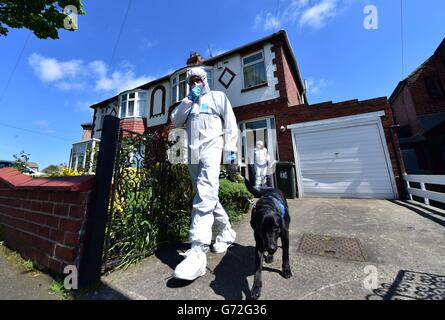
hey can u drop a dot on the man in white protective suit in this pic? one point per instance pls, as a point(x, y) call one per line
point(261, 163)
point(212, 134)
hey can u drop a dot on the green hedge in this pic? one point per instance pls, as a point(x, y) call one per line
point(235, 198)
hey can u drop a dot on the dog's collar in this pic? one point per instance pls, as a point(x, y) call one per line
point(280, 206)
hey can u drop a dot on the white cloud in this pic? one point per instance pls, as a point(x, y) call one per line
point(99, 68)
point(314, 14)
point(79, 75)
point(317, 15)
point(121, 81)
point(258, 20)
point(316, 86)
point(50, 69)
point(272, 22)
point(267, 21)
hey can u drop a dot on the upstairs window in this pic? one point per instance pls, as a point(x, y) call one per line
point(179, 87)
point(142, 103)
point(174, 90)
point(182, 86)
point(103, 113)
point(254, 70)
point(100, 115)
point(434, 87)
point(133, 104)
point(210, 78)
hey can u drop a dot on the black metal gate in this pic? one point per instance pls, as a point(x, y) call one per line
point(147, 206)
point(139, 201)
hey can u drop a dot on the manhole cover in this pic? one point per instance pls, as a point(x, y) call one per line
point(335, 247)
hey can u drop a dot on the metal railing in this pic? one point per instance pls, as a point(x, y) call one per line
point(423, 180)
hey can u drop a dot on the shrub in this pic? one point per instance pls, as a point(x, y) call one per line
point(175, 202)
point(153, 206)
point(224, 174)
point(235, 198)
point(68, 172)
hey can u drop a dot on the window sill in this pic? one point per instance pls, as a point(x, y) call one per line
point(255, 87)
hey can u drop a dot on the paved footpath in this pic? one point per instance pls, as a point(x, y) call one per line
point(20, 283)
point(404, 244)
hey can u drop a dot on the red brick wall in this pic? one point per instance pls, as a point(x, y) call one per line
point(422, 101)
point(405, 112)
point(43, 219)
point(286, 83)
point(134, 125)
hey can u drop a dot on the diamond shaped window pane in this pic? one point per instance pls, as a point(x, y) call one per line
point(226, 77)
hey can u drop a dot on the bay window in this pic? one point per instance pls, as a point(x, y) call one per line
point(179, 87)
point(210, 78)
point(182, 86)
point(133, 104)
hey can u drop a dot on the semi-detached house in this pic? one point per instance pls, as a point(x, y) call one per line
point(345, 149)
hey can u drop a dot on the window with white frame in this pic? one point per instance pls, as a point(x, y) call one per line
point(133, 104)
point(174, 90)
point(182, 92)
point(210, 78)
point(254, 70)
point(101, 116)
point(179, 87)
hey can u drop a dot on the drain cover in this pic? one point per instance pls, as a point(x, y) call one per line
point(335, 247)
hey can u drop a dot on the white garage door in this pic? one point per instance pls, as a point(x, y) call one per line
point(343, 160)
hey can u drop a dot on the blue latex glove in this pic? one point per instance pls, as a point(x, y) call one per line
point(230, 158)
point(195, 93)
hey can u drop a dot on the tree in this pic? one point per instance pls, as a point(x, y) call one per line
point(43, 17)
point(53, 169)
point(21, 161)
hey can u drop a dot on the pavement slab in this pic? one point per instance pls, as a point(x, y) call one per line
point(404, 242)
point(20, 283)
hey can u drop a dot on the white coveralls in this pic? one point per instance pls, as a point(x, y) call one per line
point(211, 129)
point(261, 162)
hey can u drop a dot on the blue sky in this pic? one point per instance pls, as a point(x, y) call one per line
point(54, 82)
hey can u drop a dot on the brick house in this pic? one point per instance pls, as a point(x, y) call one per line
point(339, 149)
point(418, 104)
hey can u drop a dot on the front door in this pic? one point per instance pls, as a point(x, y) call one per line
point(253, 131)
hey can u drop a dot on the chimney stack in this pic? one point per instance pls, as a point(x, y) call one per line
point(195, 59)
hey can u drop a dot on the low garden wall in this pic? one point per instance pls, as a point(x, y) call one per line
point(44, 219)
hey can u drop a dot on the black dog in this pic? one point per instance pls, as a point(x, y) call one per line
point(270, 220)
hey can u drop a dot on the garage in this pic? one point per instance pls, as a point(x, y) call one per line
point(345, 157)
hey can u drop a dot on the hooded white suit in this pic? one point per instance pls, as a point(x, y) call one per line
point(261, 161)
point(212, 130)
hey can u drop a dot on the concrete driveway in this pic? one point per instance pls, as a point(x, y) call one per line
point(404, 243)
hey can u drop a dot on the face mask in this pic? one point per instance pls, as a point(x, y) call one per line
point(197, 89)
